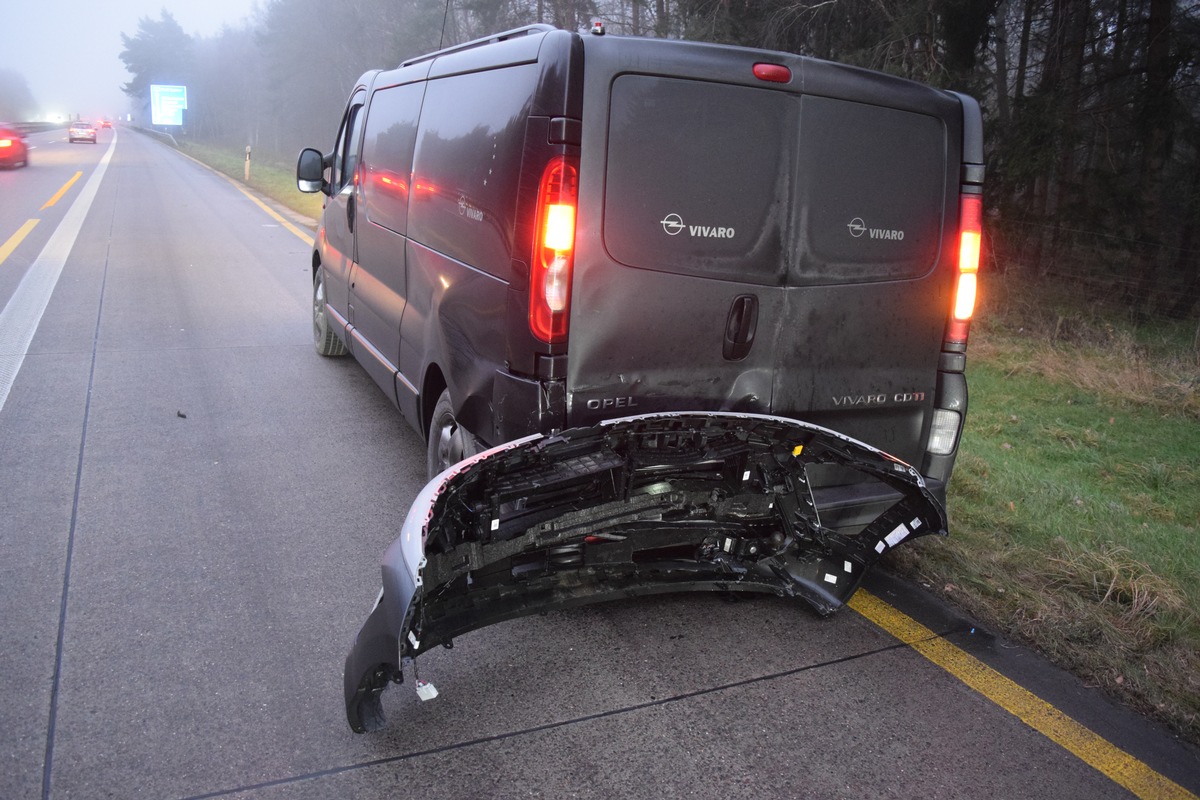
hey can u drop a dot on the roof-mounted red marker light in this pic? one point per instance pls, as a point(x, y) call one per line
point(970, 236)
point(554, 251)
point(774, 73)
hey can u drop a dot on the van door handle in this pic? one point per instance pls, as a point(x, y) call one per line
point(350, 212)
point(740, 327)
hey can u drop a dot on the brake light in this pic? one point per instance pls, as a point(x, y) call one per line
point(554, 251)
point(6, 143)
point(775, 73)
point(970, 236)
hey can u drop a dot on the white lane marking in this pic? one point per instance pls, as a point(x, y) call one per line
point(20, 318)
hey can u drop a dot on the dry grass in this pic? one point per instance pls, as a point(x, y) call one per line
point(1130, 378)
point(1127, 594)
point(1096, 350)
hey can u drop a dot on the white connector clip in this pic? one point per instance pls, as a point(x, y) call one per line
point(425, 689)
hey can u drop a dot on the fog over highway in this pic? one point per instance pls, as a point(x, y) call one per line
point(68, 53)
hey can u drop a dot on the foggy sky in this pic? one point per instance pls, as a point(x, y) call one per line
point(69, 50)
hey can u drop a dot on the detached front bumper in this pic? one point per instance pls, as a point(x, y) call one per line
point(636, 506)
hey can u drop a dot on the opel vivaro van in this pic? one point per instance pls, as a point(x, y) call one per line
point(545, 229)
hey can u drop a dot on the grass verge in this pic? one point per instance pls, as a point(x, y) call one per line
point(274, 180)
point(1075, 503)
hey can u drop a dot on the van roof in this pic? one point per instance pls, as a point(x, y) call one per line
point(515, 33)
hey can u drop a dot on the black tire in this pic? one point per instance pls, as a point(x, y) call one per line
point(324, 338)
point(448, 441)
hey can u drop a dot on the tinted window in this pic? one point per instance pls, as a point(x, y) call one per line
point(870, 193)
point(391, 134)
point(699, 177)
point(468, 165)
point(770, 187)
point(346, 154)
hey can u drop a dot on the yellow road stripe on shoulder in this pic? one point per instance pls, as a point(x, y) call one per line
point(16, 239)
point(1044, 718)
point(58, 195)
point(289, 226)
point(304, 237)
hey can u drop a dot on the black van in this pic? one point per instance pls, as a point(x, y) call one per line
point(544, 229)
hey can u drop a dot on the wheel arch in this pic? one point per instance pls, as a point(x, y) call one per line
point(431, 389)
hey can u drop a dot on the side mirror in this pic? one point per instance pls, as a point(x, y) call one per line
point(310, 172)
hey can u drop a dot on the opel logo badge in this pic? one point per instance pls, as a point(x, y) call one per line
point(672, 224)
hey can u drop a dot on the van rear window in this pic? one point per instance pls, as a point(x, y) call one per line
point(698, 177)
point(770, 187)
point(870, 193)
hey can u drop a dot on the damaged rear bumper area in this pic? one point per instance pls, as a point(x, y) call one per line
point(643, 505)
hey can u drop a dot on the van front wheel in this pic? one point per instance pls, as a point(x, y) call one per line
point(449, 442)
point(325, 340)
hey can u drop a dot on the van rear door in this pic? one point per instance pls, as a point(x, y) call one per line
point(763, 246)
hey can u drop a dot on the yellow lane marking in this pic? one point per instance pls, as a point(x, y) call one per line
point(1044, 718)
point(270, 211)
point(274, 215)
point(14, 240)
point(58, 195)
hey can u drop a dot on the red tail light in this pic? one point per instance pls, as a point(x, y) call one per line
point(970, 235)
point(554, 251)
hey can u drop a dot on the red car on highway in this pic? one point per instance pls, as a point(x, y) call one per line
point(13, 152)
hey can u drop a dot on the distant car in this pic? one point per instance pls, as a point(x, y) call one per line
point(82, 132)
point(105, 123)
point(13, 152)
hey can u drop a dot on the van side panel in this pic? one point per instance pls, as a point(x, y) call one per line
point(453, 324)
point(380, 290)
point(461, 221)
point(467, 165)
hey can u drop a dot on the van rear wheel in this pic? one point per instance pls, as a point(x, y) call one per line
point(325, 340)
point(449, 442)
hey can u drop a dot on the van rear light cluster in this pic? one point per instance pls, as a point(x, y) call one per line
point(554, 251)
point(970, 236)
point(943, 433)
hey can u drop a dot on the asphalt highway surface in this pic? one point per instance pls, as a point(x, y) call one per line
point(193, 509)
